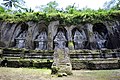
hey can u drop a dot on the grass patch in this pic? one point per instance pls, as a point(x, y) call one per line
point(45, 74)
point(102, 74)
point(24, 73)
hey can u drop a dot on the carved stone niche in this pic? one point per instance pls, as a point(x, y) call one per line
point(41, 40)
point(100, 35)
point(41, 36)
point(60, 39)
point(20, 39)
point(79, 38)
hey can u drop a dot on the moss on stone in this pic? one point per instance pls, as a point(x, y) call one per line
point(71, 45)
point(54, 70)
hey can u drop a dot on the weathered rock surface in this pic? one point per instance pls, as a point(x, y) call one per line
point(110, 32)
point(62, 61)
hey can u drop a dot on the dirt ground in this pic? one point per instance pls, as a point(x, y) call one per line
point(45, 74)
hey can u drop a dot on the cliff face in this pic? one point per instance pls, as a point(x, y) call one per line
point(41, 35)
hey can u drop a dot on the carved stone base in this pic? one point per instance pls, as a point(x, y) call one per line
point(61, 62)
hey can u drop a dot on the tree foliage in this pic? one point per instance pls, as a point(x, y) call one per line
point(2, 9)
point(49, 7)
point(9, 4)
point(71, 15)
point(112, 4)
point(71, 9)
point(78, 17)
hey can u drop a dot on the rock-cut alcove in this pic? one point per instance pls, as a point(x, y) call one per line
point(60, 39)
point(79, 38)
point(100, 35)
point(41, 40)
point(20, 39)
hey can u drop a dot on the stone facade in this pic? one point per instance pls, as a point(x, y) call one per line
point(82, 36)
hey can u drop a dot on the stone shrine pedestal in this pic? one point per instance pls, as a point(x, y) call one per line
point(61, 64)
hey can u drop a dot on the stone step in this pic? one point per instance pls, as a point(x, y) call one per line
point(39, 57)
point(113, 55)
point(112, 59)
point(13, 58)
point(12, 52)
point(37, 54)
point(96, 64)
point(27, 55)
point(11, 55)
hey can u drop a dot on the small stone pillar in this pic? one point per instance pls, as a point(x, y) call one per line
point(61, 64)
point(70, 45)
point(1, 52)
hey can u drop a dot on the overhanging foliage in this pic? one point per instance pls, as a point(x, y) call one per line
point(76, 17)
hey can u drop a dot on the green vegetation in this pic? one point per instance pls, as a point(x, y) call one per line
point(71, 45)
point(89, 16)
point(49, 8)
point(49, 12)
